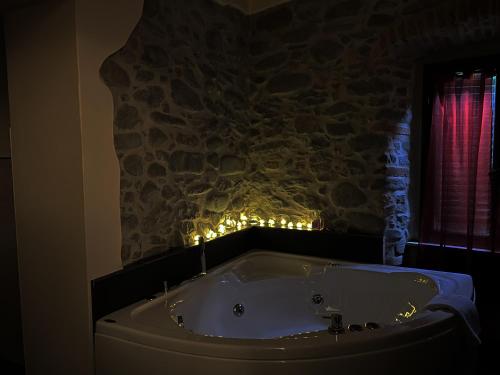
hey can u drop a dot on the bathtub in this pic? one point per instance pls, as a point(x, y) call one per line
point(275, 313)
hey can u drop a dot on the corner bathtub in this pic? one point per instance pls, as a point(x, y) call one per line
point(264, 313)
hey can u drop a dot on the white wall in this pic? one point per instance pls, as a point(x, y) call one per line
point(102, 27)
point(66, 178)
point(47, 171)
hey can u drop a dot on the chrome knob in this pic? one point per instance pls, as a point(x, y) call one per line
point(372, 325)
point(336, 325)
point(355, 327)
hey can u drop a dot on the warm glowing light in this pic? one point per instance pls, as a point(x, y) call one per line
point(211, 234)
point(197, 239)
point(254, 221)
point(408, 314)
point(227, 225)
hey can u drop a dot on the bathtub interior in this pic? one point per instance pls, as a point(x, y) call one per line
point(276, 292)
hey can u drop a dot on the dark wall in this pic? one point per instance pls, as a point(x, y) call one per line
point(483, 266)
point(11, 348)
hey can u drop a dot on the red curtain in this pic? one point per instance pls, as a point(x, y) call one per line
point(457, 199)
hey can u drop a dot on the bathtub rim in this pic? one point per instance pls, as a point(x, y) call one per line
point(307, 346)
point(318, 345)
point(438, 277)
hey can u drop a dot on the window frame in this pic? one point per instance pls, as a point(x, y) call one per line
point(428, 70)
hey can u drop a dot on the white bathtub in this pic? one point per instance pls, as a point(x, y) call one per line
point(281, 330)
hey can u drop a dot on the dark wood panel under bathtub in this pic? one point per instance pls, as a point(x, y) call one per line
point(144, 278)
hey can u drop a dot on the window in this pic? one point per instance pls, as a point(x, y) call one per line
point(458, 199)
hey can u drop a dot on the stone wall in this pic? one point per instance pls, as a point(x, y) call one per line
point(180, 92)
point(316, 86)
point(299, 112)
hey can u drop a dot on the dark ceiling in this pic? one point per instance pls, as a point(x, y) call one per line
point(6, 5)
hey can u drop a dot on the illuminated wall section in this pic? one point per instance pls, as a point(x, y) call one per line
point(181, 110)
point(230, 224)
point(220, 116)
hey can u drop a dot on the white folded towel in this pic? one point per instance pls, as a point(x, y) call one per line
point(464, 308)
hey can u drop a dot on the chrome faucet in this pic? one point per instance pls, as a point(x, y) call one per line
point(202, 257)
point(180, 321)
point(336, 327)
point(165, 292)
point(201, 243)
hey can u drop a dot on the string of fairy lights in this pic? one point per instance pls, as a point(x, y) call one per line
point(229, 225)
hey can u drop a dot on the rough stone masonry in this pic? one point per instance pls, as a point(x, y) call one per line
point(298, 111)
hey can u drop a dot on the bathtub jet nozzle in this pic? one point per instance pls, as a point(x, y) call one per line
point(238, 310)
point(317, 299)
